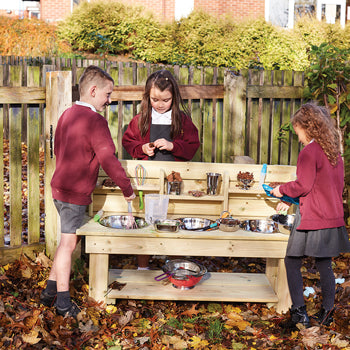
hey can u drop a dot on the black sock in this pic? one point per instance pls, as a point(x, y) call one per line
point(51, 287)
point(63, 300)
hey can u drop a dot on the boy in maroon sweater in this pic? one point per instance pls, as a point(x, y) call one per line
point(83, 143)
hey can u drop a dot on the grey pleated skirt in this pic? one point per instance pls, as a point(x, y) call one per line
point(323, 243)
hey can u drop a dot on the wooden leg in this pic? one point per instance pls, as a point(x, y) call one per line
point(276, 274)
point(98, 276)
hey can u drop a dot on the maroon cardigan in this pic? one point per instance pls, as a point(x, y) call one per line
point(320, 187)
point(185, 144)
point(82, 143)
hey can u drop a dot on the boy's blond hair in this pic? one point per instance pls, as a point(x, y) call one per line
point(93, 75)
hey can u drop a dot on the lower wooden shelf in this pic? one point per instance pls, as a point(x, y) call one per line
point(214, 286)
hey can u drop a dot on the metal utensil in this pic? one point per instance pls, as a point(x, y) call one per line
point(131, 221)
point(140, 180)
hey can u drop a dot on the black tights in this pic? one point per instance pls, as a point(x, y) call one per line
point(295, 280)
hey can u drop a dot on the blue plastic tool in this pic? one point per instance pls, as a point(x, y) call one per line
point(268, 189)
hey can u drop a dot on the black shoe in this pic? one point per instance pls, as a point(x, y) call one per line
point(70, 311)
point(47, 299)
point(298, 316)
point(324, 317)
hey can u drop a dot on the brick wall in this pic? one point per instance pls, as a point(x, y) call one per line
point(54, 10)
point(234, 8)
point(162, 9)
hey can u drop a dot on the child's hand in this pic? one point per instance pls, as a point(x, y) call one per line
point(148, 148)
point(130, 198)
point(276, 192)
point(164, 144)
point(282, 208)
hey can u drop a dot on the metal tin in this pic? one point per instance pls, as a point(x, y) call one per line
point(167, 225)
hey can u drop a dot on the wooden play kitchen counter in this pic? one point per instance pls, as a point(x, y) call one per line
point(101, 241)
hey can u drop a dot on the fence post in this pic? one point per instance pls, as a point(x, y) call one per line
point(58, 99)
point(235, 86)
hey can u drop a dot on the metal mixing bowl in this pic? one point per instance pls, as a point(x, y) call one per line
point(167, 225)
point(284, 222)
point(122, 222)
point(195, 223)
point(261, 226)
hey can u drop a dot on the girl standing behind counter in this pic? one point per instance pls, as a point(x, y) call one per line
point(161, 131)
point(319, 228)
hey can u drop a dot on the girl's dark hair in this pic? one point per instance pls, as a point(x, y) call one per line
point(318, 125)
point(163, 80)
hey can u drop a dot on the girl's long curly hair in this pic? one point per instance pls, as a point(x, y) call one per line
point(163, 80)
point(318, 125)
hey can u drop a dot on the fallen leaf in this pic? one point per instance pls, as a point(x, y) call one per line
point(198, 343)
point(340, 343)
point(192, 311)
point(31, 338)
point(312, 336)
point(175, 341)
point(125, 319)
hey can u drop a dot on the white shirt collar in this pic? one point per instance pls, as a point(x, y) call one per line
point(80, 103)
point(158, 118)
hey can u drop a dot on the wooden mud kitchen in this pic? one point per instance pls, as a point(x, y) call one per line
point(243, 204)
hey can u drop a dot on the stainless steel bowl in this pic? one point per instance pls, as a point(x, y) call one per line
point(122, 222)
point(195, 223)
point(261, 226)
point(284, 222)
point(167, 225)
point(229, 224)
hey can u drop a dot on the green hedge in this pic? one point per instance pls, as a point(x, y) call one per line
point(105, 27)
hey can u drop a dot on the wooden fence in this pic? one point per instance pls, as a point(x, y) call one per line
point(237, 113)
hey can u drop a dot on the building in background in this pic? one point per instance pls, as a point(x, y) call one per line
point(279, 12)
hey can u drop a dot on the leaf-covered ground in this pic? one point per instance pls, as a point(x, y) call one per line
point(139, 324)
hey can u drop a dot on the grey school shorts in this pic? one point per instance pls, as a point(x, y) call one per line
point(71, 215)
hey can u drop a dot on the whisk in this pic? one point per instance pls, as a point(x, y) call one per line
point(140, 179)
point(130, 223)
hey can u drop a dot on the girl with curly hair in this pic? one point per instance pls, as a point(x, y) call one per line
point(319, 228)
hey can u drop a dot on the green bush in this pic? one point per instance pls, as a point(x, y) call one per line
point(108, 27)
point(200, 39)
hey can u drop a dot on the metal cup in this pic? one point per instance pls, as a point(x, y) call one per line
point(212, 183)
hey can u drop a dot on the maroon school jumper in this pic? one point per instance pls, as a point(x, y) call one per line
point(82, 143)
point(185, 144)
point(320, 187)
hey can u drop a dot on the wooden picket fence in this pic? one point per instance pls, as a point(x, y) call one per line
point(236, 113)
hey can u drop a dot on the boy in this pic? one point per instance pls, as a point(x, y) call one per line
point(83, 143)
